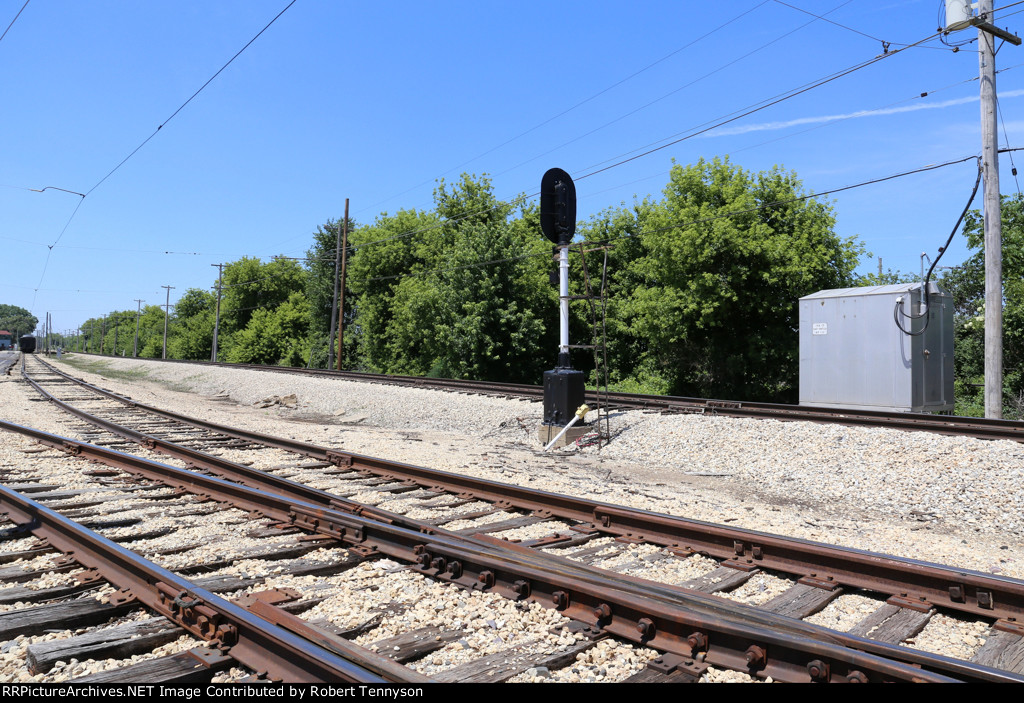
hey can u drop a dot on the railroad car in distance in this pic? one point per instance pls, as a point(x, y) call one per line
point(27, 344)
point(6, 340)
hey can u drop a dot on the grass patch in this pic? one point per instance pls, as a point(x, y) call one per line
point(185, 385)
point(103, 368)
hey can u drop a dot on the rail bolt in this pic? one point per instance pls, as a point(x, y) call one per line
point(756, 656)
point(423, 560)
point(455, 569)
point(560, 599)
point(439, 563)
point(818, 670)
point(698, 641)
point(521, 588)
point(603, 611)
point(646, 628)
point(486, 578)
point(857, 677)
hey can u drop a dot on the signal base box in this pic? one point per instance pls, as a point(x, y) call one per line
point(852, 354)
point(564, 393)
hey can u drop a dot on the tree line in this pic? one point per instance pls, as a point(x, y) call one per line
point(701, 291)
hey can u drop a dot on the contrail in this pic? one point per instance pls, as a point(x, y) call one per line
point(768, 126)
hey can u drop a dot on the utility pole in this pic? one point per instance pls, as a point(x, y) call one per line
point(334, 300)
point(341, 294)
point(340, 246)
point(959, 16)
point(103, 334)
point(216, 324)
point(138, 314)
point(993, 220)
point(167, 312)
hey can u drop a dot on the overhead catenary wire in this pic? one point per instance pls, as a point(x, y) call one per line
point(147, 139)
point(14, 20)
point(190, 98)
point(122, 175)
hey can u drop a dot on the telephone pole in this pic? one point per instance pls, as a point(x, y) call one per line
point(216, 324)
point(993, 220)
point(138, 313)
point(341, 243)
point(167, 312)
point(959, 16)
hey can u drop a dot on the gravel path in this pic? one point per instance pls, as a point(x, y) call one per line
point(925, 496)
point(949, 500)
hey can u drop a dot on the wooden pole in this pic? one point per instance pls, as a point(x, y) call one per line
point(341, 291)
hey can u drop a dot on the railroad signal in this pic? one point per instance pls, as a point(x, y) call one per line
point(558, 207)
point(564, 387)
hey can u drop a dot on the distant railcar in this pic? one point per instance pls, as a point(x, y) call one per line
point(27, 344)
point(6, 340)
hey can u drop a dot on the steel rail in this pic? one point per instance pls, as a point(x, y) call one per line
point(233, 630)
point(982, 428)
point(676, 620)
point(963, 590)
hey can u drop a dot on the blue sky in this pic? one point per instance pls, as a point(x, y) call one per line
point(375, 101)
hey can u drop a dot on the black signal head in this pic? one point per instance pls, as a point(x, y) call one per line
point(558, 206)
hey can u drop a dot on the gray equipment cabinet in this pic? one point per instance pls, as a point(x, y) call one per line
point(853, 355)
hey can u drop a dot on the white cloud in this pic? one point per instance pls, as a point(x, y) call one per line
point(822, 119)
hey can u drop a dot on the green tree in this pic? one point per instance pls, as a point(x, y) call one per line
point(384, 254)
point(17, 321)
point(278, 336)
point(706, 288)
point(458, 292)
point(191, 336)
point(250, 285)
point(966, 283)
point(320, 290)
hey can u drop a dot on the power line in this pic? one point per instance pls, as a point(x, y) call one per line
point(1006, 137)
point(671, 92)
point(14, 20)
point(782, 98)
point(885, 44)
point(579, 104)
point(707, 126)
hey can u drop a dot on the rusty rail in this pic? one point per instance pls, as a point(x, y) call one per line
point(233, 630)
point(687, 624)
point(963, 590)
point(982, 428)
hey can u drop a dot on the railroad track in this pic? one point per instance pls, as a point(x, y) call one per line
point(558, 567)
point(982, 428)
